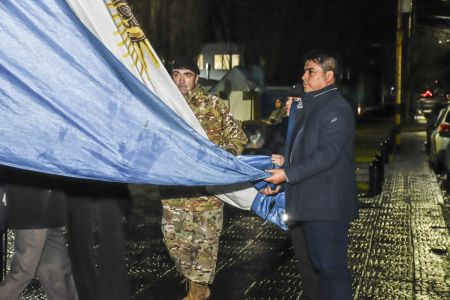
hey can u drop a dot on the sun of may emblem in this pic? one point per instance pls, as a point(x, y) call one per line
point(132, 34)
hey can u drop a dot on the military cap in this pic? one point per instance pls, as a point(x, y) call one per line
point(296, 90)
point(185, 63)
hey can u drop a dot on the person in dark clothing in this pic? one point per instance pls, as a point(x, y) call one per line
point(310, 281)
point(278, 113)
point(36, 208)
point(319, 171)
point(99, 209)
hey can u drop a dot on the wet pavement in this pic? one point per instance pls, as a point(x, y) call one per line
point(399, 247)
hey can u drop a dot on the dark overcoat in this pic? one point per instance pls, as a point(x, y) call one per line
point(320, 164)
point(34, 200)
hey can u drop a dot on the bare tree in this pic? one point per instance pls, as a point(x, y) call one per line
point(174, 27)
point(274, 32)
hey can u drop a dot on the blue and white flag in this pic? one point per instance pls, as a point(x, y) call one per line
point(69, 107)
point(114, 24)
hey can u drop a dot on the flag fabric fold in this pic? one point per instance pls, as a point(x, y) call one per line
point(69, 107)
point(271, 208)
point(114, 24)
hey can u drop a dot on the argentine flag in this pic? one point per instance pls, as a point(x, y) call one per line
point(83, 94)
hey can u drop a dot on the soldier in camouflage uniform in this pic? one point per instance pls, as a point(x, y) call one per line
point(192, 220)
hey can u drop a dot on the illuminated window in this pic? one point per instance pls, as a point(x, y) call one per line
point(200, 61)
point(222, 61)
point(218, 62)
point(236, 60)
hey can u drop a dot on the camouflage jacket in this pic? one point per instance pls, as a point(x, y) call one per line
point(221, 128)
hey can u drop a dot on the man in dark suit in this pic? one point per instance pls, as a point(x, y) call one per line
point(36, 213)
point(98, 209)
point(310, 281)
point(321, 193)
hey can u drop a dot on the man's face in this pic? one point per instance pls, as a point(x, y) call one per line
point(278, 103)
point(314, 78)
point(184, 79)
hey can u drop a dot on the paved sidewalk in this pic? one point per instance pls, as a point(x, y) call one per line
point(400, 245)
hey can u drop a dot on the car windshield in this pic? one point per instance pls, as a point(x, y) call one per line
point(447, 117)
point(441, 116)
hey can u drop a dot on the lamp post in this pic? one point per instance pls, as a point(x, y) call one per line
point(403, 7)
point(398, 73)
point(407, 19)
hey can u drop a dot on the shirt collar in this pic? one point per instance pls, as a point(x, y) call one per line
point(318, 93)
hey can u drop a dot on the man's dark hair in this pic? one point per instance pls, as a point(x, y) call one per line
point(327, 61)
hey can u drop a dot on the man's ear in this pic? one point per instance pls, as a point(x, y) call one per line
point(196, 79)
point(329, 76)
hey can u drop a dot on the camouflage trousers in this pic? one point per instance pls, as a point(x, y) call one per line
point(192, 239)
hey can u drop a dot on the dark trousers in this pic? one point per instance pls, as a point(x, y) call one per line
point(43, 253)
point(310, 281)
point(328, 243)
point(109, 280)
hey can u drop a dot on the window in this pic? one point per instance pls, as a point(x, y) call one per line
point(219, 64)
point(235, 60)
point(222, 61)
point(200, 61)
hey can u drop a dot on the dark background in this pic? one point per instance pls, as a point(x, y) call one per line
point(277, 33)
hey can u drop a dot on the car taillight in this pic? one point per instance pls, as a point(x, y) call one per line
point(444, 127)
point(427, 93)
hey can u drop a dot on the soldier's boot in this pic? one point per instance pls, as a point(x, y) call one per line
point(197, 291)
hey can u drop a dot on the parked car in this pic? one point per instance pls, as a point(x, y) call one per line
point(428, 99)
point(433, 122)
point(439, 140)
